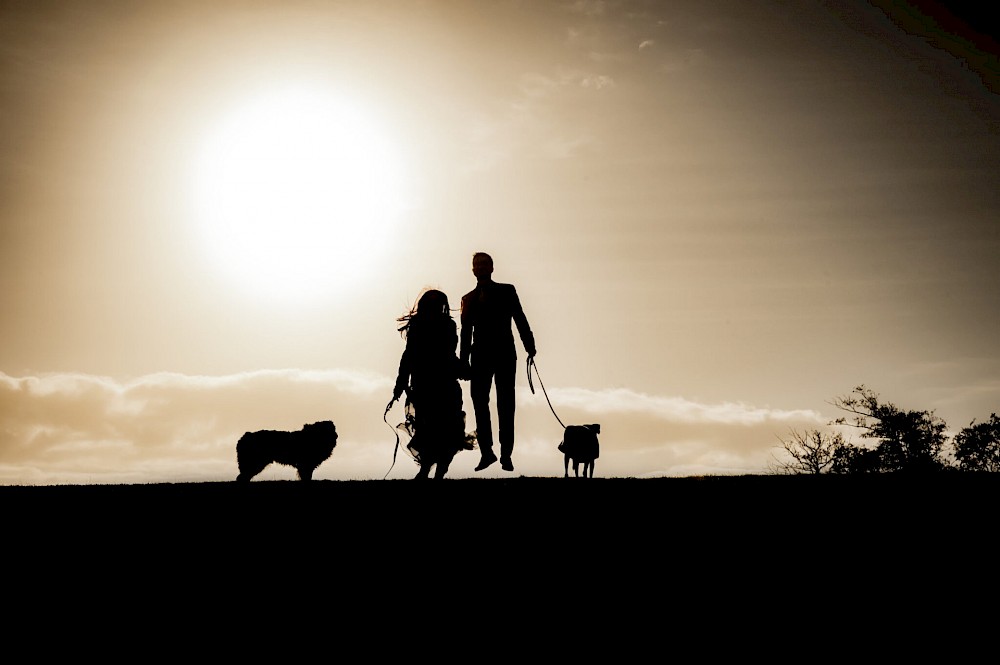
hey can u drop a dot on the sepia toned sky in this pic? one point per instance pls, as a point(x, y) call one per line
point(719, 217)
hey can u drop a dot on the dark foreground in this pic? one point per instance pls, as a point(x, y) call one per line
point(503, 562)
point(609, 515)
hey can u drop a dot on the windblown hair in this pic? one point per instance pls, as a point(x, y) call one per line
point(433, 303)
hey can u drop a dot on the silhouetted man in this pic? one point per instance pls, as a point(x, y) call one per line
point(487, 348)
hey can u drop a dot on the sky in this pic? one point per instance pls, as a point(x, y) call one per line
point(719, 217)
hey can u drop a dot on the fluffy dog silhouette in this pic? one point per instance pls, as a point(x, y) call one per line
point(305, 449)
point(580, 444)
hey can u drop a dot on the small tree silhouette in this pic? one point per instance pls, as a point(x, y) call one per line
point(809, 452)
point(856, 459)
point(908, 441)
point(977, 447)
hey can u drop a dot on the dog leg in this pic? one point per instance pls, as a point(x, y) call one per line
point(566, 465)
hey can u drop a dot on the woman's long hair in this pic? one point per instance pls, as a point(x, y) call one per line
point(432, 303)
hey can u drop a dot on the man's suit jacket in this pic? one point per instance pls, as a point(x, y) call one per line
point(489, 313)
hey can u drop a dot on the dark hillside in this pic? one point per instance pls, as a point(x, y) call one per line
point(718, 548)
point(609, 509)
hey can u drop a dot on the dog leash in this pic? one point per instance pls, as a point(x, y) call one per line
point(532, 364)
point(395, 431)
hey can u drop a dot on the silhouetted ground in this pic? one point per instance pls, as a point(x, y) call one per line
point(619, 514)
point(632, 561)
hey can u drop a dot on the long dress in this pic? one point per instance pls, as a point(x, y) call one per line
point(429, 372)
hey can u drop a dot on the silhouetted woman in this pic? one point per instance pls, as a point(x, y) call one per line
point(429, 374)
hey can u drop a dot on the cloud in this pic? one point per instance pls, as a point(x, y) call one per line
point(533, 122)
point(588, 7)
point(646, 43)
point(597, 82)
point(650, 435)
point(678, 409)
point(168, 427)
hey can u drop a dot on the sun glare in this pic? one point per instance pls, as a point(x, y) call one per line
point(296, 192)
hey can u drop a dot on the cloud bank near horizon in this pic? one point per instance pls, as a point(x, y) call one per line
point(68, 428)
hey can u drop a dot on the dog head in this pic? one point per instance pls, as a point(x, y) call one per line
point(322, 429)
point(580, 441)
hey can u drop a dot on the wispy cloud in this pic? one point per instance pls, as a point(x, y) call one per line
point(597, 81)
point(533, 120)
point(68, 427)
point(168, 427)
point(588, 7)
point(678, 409)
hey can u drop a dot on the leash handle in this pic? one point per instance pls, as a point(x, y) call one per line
point(532, 364)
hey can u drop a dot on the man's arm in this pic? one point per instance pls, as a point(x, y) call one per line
point(465, 340)
point(521, 321)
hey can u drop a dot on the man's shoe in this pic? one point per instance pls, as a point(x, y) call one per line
point(485, 462)
point(506, 464)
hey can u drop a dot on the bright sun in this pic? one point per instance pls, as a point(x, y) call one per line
point(295, 193)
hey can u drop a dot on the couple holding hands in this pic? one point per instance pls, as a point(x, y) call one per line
point(430, 370)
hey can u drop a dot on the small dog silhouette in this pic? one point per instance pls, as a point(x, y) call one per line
point(580, 444)
point(305, 449)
